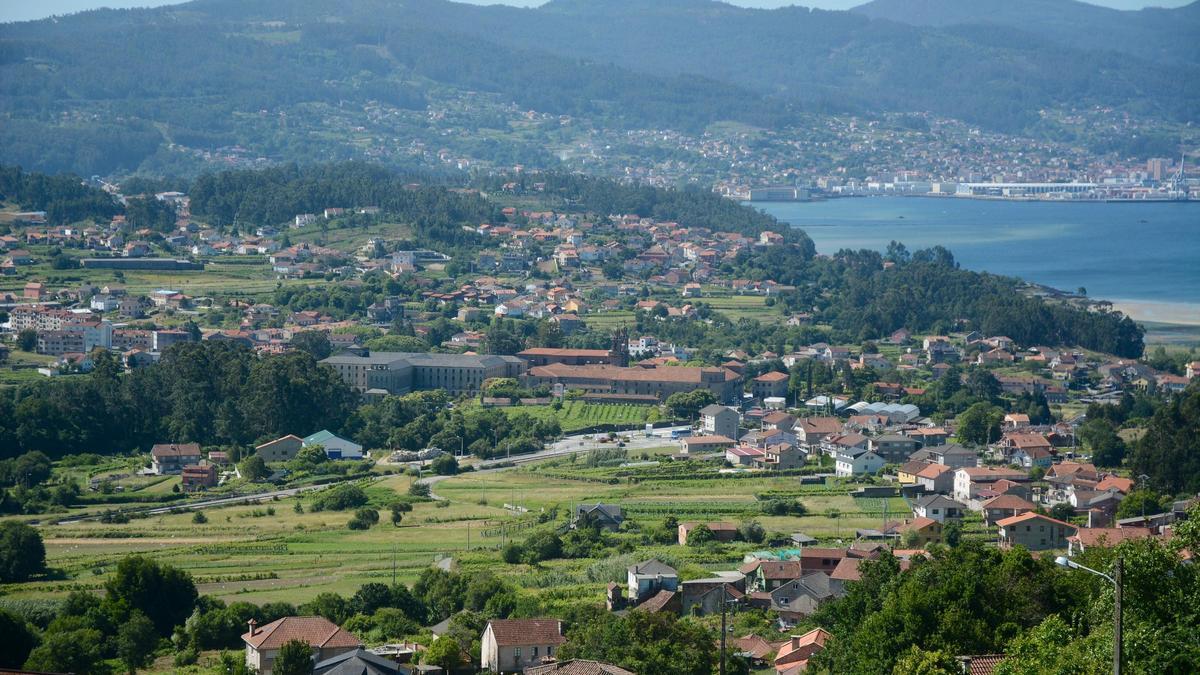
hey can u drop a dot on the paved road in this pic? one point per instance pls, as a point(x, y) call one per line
point(210, 503)
point(567, 445)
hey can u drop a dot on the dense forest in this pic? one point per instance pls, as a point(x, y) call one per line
point(274, 196)
point(64, 198)
point(212, 393)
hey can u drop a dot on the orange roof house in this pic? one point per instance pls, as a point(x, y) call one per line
point(794, 655)
point(324, 636)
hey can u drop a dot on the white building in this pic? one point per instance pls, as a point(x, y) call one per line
point(853, 461)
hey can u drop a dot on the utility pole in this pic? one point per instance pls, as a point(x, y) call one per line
point(468, 535)
point(393, 566)
point(724, 606)
point(1117, 569)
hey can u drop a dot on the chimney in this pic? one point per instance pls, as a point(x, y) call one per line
point(253, 627)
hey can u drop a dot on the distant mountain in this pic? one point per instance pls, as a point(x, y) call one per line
point(1164, 35)
point(103, 91)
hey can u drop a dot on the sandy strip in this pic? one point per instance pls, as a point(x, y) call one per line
point(1181, 313)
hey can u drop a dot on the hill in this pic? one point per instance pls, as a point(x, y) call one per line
point(1163, 35)
point(108, 91)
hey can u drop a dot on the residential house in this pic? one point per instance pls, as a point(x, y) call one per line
point(952, 455)
point(1035, 532)
point(649, 578)
point(928, 436)
point(907, 473)
point(512, 645)
point(769, 385)
point(325, 638)
point(1104, 537)
point(968, 481)
point(812, 430)
point(920, 531)
point(856, 461)
point(1002, 507)
point(605, 516)
point(894, 448)
point(794, 655)
point(939, 508)
point(779, 420)
point(199, 476)
point(721, 531)
point(172, 457)
point(575, 667)
point(742, 455)
point(704, 444)
point(719, 420)
point(280, 449)
point(360, 662)
point(936, 478)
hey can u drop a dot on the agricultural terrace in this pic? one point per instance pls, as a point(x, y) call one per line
point(284, 550)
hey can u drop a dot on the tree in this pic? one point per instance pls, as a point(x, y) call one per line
point(1062, 511)
point(952, 533)
point(1142, 502)
point(27, 340)
point(295, 658)
point(1168, 452)
point(136, 641)
point(643, 642)
point(363, 519)
point(199, 518)
point(22, 554)
point(329, 605)
point(315, 342)
point(397, 343)
point(980, 424)
point(917, 661)
point(1100, 436)
point(700, 535)
point(19, 640)
point(398, 510)
point(72, 651)
point(749, 531)
point(687, 405)
point(370, 597)
point(445, 652)
point(253, 468)
point(444, 465)
point(166, 595)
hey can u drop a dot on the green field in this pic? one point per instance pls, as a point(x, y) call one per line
point(244, 552)
point(577, 415)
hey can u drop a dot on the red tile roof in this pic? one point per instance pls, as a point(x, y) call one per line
point(527, 631)
point(317, 631)
point(1017, 520)
point(175, 450)
point(773, 376)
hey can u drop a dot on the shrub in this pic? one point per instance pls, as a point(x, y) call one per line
point(363, 519)
point(199, 518)
point(340, 498)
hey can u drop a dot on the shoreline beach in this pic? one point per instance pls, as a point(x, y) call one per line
point(1178, 313)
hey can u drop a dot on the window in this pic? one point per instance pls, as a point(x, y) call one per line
point(535, 651)
point(517, 652)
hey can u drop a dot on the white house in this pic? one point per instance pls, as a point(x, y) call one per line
point(718, 420)
point(853, 461)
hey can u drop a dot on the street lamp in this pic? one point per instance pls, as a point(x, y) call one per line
point(1115, 580)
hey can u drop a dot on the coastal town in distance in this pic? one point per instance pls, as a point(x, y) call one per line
point(600, 338)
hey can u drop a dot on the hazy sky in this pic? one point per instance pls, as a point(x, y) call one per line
point(24, 10)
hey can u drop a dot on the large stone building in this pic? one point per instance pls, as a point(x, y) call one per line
point(660, 383)
point(544, 356)
point(401, 372)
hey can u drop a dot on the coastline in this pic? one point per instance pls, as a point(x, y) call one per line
point(1153, 311)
